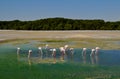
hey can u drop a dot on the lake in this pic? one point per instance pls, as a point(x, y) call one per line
point(106, 57)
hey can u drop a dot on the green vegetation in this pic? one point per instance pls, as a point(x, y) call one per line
point(10, 68)
point(60, 24)
point(55, 41)
point(72, 42)
point(14, 41)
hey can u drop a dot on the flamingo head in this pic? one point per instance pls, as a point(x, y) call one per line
point(84, 49)
point(93, 50)
point(39, 48)
point(54, 50)
point(18, 48)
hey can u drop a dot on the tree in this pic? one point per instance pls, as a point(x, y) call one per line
point(60, 24)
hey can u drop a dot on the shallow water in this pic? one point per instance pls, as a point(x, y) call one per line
point(106, 57)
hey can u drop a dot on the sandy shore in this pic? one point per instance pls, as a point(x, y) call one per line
point(76, 39)
point(13, 34)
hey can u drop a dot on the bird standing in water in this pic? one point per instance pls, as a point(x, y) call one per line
point(18, 53)
point(97, 54)
point(92, 56)
point(54, 55)
point(62, 50)
point(84, 54)
point(40, 52)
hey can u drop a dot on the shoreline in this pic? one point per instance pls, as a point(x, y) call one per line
point(89, 39)
point(98, 34)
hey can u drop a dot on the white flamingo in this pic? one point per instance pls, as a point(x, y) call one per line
point(66, 48)
point(54, 55)
point(92, 55)
point(96, 54)
point(40, 52)
point(84, 54)
point(18, 53)
point(96, 51)
point(47, 49)
point(71, 53)
point(62, 50)
point(29, 53)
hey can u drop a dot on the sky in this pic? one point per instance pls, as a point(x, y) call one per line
point(108, 10)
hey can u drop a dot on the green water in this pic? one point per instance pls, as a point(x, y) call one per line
point(12, 68)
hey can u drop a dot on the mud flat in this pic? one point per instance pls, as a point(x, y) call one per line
point(79, 39)
point(13, 34)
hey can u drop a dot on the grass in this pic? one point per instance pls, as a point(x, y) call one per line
point(15, 41)
point(56, 41)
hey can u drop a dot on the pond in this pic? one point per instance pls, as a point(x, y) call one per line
point(105, 57)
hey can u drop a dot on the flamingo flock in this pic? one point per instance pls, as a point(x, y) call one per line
point(65, 51)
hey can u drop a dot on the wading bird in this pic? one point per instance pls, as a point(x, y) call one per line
point(62, 50)
point(97, 54)
point(47, 50)
point(40, 52)
point(54, 55)
point(92, 55)
point(29, 57)
point(29, 54)
point(66, 49)
point(84, 54)
point(18, 53)
point(71, 53)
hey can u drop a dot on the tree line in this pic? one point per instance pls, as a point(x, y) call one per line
point(60, 24)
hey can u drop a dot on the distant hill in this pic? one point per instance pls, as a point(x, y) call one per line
point(60, 24)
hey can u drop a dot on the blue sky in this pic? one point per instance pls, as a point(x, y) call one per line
point(108, 10)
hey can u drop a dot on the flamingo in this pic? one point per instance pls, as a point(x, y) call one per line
point(71, 53)
point(62, 50)
point(84, 52)
point(54, 55)
point(96, 54)
point(84, 55)
point(96, 51)
point(47, 49)
point(66, 48)
point(92, 55)
point(18, 53)
point(29, 53)
point(40, 52)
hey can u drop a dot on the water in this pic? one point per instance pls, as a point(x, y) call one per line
point(106, 57)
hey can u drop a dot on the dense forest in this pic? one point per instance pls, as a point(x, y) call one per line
point(59, 24)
